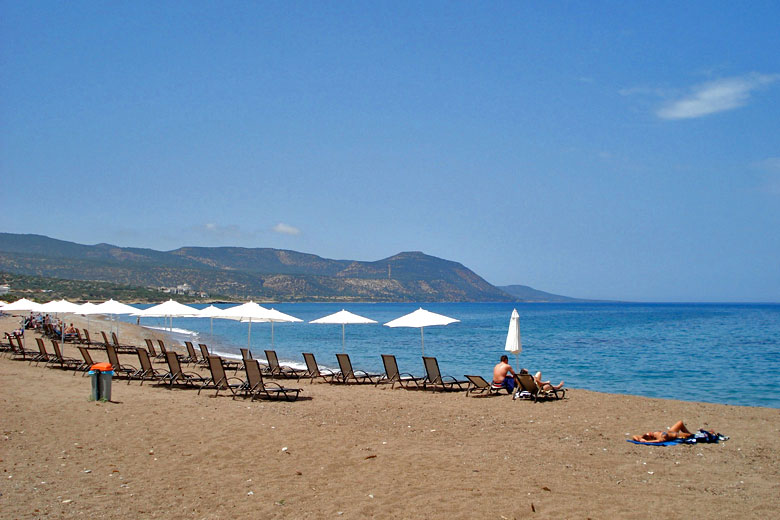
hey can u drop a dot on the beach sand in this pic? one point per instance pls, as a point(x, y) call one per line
point(363, 451)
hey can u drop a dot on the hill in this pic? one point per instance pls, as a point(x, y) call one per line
point(528, 294)
point(243, 273)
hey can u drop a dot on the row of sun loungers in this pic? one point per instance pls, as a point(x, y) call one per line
point(254, 385)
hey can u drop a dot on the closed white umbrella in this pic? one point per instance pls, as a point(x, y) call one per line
point(513, 341)
point(273, 316)
point(343, 317)
point(421, 319)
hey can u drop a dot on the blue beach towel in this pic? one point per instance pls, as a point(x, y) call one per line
point(665, 443)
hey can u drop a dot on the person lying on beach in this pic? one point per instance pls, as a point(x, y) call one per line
point(546, 385)
point(501, 377)
point(678, 431)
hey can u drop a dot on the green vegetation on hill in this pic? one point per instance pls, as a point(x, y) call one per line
point(42, 290)
point(242, 273)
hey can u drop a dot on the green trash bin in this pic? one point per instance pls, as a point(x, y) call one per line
point(95, 394)
point(104, 385)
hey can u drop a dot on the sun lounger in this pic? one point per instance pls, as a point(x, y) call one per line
point(88, 361)
point(42, 354)
point(176, 376)
point(246, 354)
point(528, 383)
point(65, 363)
point(392, 375)
point(92, 344)
point(274, 369)
point(122, 348)
point(120, 370)
point(347, 374)
point(219, 380)
point(147, 371)
point(256, 387)
point(478, 385)
point(17, 349)
point(435, 381)
point(313, 370)
point(230, 365)
point(192, 357)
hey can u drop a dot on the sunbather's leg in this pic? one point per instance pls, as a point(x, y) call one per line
point(679, 427)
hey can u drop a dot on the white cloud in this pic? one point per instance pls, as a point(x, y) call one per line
point(286, 229)
point(716, 96)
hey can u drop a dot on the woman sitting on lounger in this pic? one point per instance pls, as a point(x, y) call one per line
point(678, 431)
point(546, 385)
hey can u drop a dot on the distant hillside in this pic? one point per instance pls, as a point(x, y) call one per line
point(529, 294)
point(242, 273)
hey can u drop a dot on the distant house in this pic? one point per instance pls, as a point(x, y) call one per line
point(5, 289)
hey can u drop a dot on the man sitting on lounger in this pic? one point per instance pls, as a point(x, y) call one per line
point(501, 378)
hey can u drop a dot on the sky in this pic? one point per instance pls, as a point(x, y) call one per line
point(609, 150)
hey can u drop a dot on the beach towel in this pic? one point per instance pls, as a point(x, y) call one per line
point(665, 443)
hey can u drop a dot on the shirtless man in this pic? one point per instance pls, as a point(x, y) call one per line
point(678, 431)
point(501, 376)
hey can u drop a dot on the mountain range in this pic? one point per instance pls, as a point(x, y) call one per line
point(258, 273)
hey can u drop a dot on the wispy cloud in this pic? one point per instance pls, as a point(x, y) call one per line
point(716, 96)
point(286, 229)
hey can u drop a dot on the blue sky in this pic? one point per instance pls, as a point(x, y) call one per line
point(599, 149)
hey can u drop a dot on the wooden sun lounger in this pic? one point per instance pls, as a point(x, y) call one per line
point(256, 387)
point(392, 375)
point(192, 357)
point(88, 361)
point(313, 370)
point(348, 375)
point(435, 381)
point(92, 344)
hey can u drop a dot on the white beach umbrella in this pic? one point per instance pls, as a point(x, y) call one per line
point(247, 312)
point(22, 304)
point(112, 308)
point(421, 319)
point(513, 341)
point(343, 317)
point(210, 312)
point(61, 307)
point(170, 309)
point(274, 316)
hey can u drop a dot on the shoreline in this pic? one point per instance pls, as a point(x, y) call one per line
point(360, 451)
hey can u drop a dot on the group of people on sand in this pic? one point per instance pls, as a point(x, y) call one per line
point(504, 376)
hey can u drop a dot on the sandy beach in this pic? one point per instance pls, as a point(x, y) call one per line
point(365, 451)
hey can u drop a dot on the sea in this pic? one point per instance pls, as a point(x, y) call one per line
point(716, 353)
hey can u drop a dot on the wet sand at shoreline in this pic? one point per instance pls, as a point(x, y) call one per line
point(365, 451)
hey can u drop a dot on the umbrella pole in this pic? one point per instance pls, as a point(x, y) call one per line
point(342, 338)
point(272, 334)
point(517, 357)
point(249, 335)
point(422, 340)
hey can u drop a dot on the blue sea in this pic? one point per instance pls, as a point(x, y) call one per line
point(719, 353)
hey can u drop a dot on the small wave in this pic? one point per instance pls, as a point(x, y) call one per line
point(183, 332)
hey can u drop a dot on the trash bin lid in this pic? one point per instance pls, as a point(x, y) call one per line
point(102, 367)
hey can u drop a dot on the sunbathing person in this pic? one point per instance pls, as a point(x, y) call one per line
point(678, 431)
point(501, 375)
point(546, 385)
